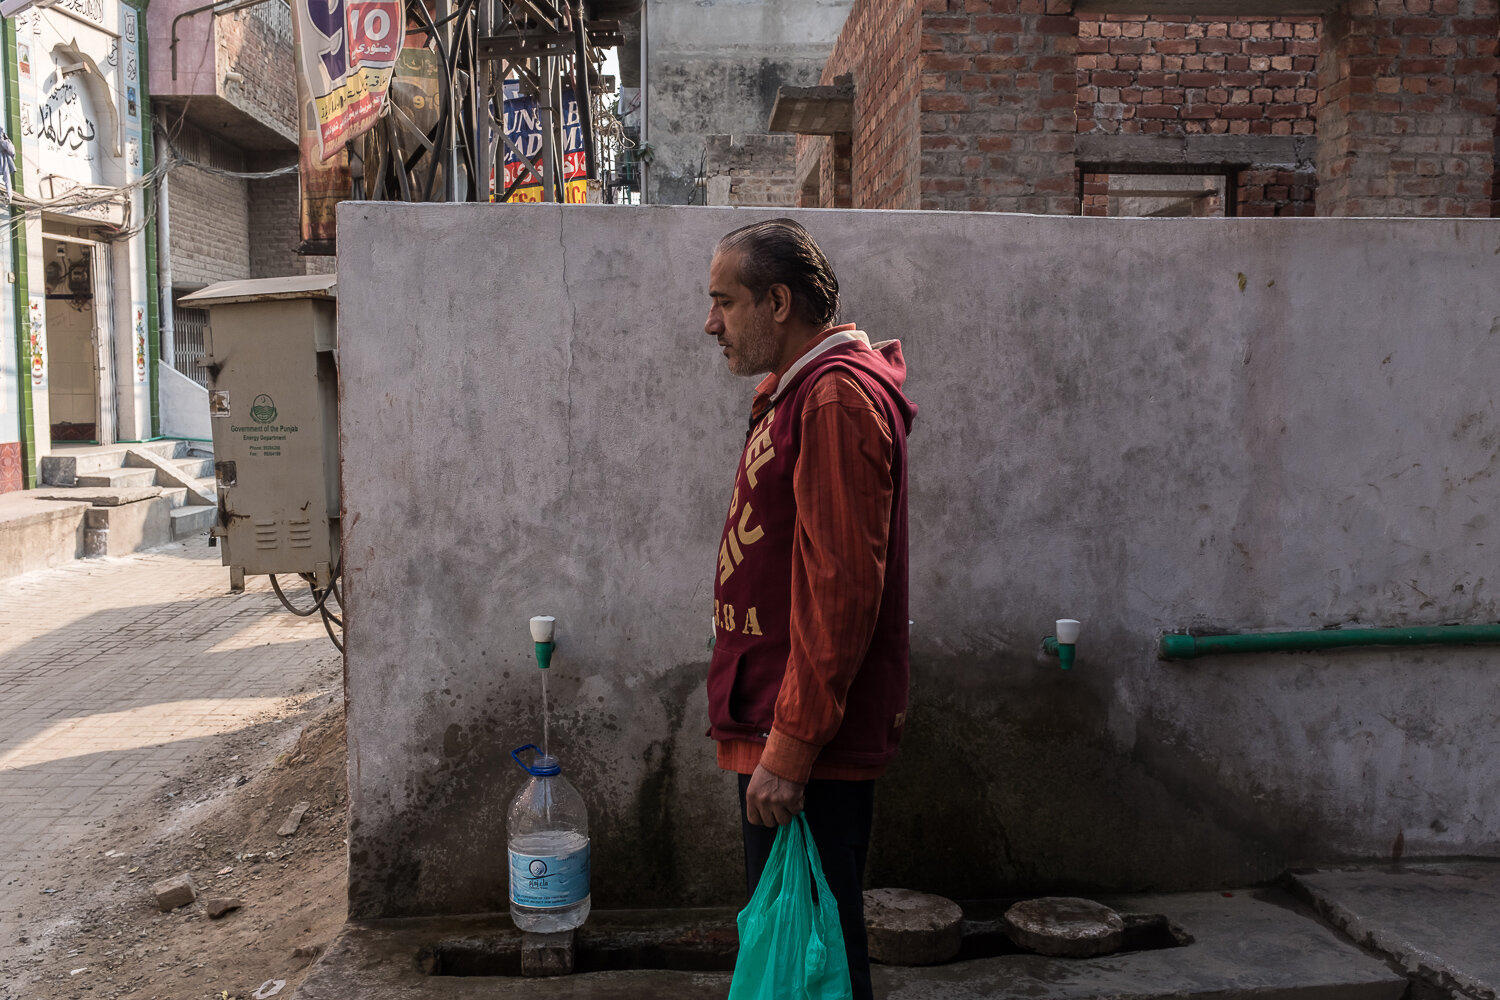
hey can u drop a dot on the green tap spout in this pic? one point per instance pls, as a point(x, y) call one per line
point(544, 654)
point(1062, 650)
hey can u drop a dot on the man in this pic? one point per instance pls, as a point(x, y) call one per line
point(807, 686)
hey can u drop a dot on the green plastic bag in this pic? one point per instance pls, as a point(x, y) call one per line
point(791, 944)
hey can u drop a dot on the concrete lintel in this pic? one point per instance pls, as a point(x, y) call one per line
point(1205, 151)
point(814, 110)
point(229, 121)
point(1207, 8)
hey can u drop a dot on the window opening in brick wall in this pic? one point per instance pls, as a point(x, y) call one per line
point(187, 336)
point(1146, 195)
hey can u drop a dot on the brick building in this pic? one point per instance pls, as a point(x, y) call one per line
point(1367, 107)
point(225, 94)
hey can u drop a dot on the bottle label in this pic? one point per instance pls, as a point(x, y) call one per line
point(549, 881)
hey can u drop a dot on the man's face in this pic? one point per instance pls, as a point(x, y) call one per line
point(743, 328)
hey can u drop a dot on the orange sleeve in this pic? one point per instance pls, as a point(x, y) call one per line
point(843, 490)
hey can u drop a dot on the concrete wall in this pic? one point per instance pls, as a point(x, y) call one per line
point(1277, 424)
point(714, 69)
point(184, 405)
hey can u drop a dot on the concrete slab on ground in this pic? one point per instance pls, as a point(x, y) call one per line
point(136, 492)
point(1249, 945)
point(37, 533)
point(101, 496)
point(131, 527)
point(1439, 920)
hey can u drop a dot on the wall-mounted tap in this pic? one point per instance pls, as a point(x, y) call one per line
point(1063, 644)
point(541, 636)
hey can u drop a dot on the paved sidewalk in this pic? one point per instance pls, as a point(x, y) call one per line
point(112, 671)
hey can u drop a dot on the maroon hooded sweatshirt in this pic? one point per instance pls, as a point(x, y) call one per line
point(752, 582)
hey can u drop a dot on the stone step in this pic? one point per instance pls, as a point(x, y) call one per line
point(169, 473)
point(182, 496)
point(176, 496)
point(118, 478)
point(128, 527)
point(64, 468)
point(189, 521)
point(195, 466)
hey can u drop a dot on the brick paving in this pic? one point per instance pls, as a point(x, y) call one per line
point(113, 671)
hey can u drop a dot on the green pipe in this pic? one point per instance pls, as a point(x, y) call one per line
point(544, 654)
point(1189, 647)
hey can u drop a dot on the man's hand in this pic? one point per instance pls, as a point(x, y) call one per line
point(772, 801)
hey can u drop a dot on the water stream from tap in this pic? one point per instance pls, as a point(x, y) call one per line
point(546, 725)
point(546, 734)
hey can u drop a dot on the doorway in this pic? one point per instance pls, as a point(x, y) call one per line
point(1151, 195)
point(79, 352)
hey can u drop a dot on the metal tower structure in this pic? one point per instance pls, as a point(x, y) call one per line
point(469, 68)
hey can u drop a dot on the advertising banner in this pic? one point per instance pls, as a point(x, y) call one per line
point(523, 126)
point(324, 184)
point(346, 50)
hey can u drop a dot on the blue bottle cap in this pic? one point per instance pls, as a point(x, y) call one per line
point(543, 765)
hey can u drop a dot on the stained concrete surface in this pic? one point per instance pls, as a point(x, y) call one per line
point(715, 69)
point(1440, 921)
point(1148, 425)
point(1251, 945)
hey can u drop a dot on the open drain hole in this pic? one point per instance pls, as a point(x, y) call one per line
point(710, 949)
point(608, 944)
point(985, 936)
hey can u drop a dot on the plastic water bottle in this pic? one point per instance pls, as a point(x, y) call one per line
point(547, 832)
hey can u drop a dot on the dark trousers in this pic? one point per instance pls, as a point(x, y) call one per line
point(839, 814)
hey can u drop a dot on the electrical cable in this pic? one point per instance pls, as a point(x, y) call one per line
point(288, 604)
point(328, 616)
point(329, 628)
point(320, 607)
point(440, 141)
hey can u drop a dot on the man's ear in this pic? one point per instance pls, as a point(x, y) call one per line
point(781, 302)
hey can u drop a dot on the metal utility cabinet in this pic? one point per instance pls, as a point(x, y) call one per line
point(270, 353)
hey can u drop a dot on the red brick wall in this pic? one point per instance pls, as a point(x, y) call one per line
point(275, 213)
point(1000, 82)
point(257, 43)
point(210, 213)
point(836, 171)
point(1095, 194)
point(1495, 173)
point(1275, 191)
point(879, 48)
point(999, 89)
point(1194, 75)
point(1407, 121)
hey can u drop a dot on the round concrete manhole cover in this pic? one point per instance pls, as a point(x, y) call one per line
point(912, 928)
point(1065, 927)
